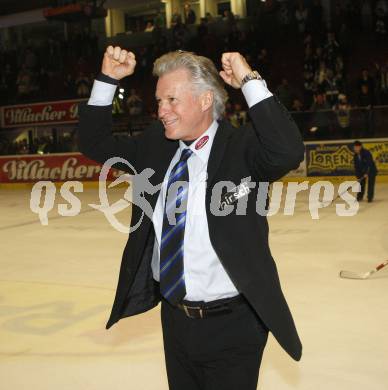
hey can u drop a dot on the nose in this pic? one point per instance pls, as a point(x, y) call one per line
point(163, 109)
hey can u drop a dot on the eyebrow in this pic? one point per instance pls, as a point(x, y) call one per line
point(168, 96)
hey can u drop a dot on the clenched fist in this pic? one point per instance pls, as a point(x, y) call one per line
point(235, 68)
point(118, 63)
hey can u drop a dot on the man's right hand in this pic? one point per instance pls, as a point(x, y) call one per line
point(118, 63)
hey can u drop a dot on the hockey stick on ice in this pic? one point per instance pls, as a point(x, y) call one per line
point(356, 275)
point(327, 203)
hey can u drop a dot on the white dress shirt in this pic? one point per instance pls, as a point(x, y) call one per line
point(205, 277)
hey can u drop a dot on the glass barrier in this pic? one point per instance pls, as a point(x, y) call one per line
point(314, 126)
point(357, 122)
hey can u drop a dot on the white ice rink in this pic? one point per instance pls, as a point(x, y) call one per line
point(57, 286)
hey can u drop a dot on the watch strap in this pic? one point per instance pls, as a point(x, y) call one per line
point(254, 75)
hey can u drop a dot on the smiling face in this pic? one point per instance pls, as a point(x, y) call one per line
point(184, 113)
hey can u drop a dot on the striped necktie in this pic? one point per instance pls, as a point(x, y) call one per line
point(172, 279)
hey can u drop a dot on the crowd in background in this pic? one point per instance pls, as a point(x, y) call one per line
point(48, 69)
point(308, 66)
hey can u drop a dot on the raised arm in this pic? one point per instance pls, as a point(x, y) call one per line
point(277, 146)
point(95, 139)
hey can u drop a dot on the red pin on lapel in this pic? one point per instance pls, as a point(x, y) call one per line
point(202, 142)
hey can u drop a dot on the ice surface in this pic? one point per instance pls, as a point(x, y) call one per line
point(57, 285)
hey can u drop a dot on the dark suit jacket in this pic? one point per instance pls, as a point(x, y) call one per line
point(265, 150)
point(365, 164)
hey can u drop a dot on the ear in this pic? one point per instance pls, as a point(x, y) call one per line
point(207, 99)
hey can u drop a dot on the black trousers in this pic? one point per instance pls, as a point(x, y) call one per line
point(371, 188)
point(216, 353)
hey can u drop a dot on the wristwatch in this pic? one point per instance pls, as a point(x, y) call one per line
point(254, 75)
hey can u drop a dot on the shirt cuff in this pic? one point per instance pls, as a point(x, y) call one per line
point(102, 93)
point(255, 91)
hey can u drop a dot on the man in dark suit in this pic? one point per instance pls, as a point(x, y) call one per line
point(204, 251)
point(365, 168)
point(189, 14)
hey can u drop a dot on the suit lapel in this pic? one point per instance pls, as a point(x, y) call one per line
point(161, 160)
point(224, 131)
point(165, 154)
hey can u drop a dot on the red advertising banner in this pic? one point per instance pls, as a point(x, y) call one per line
point(40, 114)
point(53, 167)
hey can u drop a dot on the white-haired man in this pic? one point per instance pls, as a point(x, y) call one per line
point(210, 266)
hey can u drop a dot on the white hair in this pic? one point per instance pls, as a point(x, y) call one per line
point(203, 73)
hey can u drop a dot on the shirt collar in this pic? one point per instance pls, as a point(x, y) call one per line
point(204, 152)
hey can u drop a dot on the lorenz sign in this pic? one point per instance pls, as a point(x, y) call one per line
point(40, 114)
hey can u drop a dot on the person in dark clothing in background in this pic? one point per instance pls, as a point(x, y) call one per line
point(366, 103)
point(190, 16)
point(365, 168)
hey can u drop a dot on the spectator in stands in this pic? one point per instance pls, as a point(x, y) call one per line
point(342, 111)
point(297, 105)
point(82, 85)
point(203, 30)
point(176, 18)
point(366, 102)
point(318, 58)
point(321, 73)
point(320, 120)
point(381, 11)
point(24, 82)
point(365, 169)
point(189, 14)
point(308, 41)
point(44, 145)
point(331, 49)
point(180, 36)
point(228, 110)
point(21, 147)
point(69, 85)
point(365, 98)
point(366, 79)
point(284, 93)
point(159, 21)
point(149, 26)
point(301, 16)
point(209, 17)
point(308, 64)
point(263, 62)
point(309, 87)
point(134, 103)
point(331, 87)
point(382, 82)
point(239, 117)
point(228, 16)
point(339, 68)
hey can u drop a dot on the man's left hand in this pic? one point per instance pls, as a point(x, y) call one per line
point(235, 68)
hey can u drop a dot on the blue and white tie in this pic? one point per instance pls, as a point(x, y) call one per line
point(172, 278)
